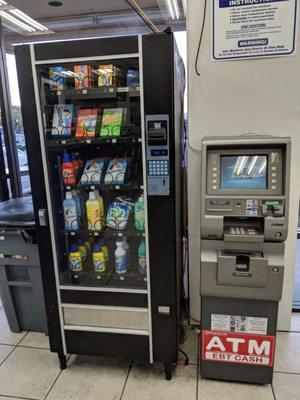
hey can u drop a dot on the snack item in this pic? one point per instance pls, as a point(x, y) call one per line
point(86, 122)
point(111, 122)
point(82, 76)
point(62, 120)
point(133, 77)
point(107, 75)
point(93, 171)
point(57, 78)
point(118, 215)
point(115, 174)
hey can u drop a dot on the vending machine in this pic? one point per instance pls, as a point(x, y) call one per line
point(244, 225)
point(103, 120)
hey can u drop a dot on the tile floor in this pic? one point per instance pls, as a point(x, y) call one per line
point(29, 371)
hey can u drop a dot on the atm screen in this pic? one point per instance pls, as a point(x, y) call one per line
point(244, 172)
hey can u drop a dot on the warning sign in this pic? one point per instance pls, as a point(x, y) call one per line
point(238, 348)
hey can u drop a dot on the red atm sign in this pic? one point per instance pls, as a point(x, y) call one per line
point(238, 348)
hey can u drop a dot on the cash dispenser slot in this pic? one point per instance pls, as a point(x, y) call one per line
point(242, 268)
point(243, 229)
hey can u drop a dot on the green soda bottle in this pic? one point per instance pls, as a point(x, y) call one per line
point(142, 258)
point(139, 214)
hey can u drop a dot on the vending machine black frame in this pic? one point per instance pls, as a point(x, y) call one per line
point(162, 87)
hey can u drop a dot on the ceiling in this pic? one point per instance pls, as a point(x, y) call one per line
point(86, 18)
point(38, 9)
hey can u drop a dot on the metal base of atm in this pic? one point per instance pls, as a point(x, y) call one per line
point(217, 367)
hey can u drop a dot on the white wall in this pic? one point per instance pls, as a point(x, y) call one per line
point(232, 98)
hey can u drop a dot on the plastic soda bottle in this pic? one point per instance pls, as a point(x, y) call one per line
point(70, 213)
point(76, 197)
point(99, 259)
point(101, 202)
point(142, 258)
point(93, 213)
point(82, 249)
point(139, 214)
point(126, 247)
point(68, 170)
point(75, 260)
point(105, 250)
point(120, 257)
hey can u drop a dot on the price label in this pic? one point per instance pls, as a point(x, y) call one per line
point(123, 89)
point(114, 140)
point(84, 91)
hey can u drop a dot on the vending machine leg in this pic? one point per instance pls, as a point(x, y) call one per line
point(62, 361)
point(168, 371)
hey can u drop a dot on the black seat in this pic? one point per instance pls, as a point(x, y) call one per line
point(17, 213)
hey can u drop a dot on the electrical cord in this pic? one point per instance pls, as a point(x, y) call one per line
point(186, 361)
point(200, 39)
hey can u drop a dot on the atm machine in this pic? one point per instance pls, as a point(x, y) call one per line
point(244, 224)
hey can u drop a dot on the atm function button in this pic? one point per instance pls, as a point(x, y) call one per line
point(214, 168)
point(214, 187)
point(273, 168)
point(274, 174)
point(273, 180)
point(214, 175)
point(214, 181)
point(273, 187)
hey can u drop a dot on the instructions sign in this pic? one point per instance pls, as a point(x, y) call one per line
point(253, 28)
point(239, 324)
point(238, 348)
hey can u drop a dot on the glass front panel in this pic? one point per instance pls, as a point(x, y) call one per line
point(92, 125)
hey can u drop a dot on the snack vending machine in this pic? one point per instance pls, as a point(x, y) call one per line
point(103, 121)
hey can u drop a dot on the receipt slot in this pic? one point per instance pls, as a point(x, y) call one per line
point(244, 224)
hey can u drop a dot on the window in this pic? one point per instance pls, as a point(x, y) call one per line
point(18, 124)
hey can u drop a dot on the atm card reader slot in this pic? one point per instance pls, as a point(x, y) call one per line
point(242, 268)
point(243, 230)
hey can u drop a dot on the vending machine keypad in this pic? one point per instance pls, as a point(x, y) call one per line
point(158, 155)
point(158, 167)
